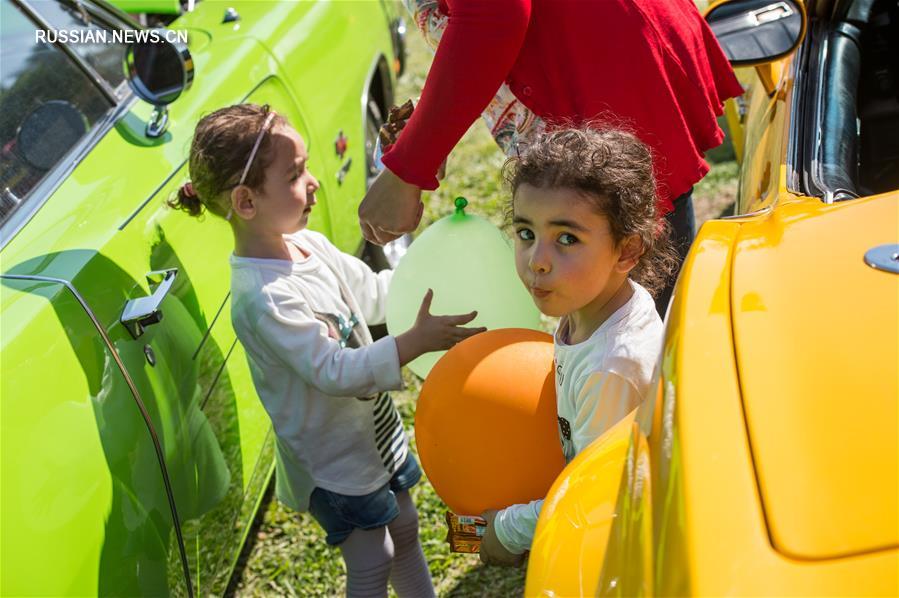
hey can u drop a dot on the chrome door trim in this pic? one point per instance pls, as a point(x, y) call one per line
point(798, 118)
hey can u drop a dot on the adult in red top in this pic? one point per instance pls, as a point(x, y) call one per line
point(652, 65)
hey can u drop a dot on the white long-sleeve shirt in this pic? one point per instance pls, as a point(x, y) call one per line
point(598, 382)
point(319, 376)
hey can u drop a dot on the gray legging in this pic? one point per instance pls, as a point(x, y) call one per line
point(388, 553)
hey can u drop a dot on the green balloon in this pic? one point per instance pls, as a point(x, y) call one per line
point(470, 265)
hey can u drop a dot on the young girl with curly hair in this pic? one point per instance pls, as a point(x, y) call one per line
point(591, 248)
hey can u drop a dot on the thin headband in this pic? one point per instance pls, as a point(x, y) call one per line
point(246, 168)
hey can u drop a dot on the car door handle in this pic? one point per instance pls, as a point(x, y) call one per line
point(145, 311)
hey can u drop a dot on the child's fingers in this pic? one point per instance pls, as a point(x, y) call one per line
point(425, 308)
point(460, 319)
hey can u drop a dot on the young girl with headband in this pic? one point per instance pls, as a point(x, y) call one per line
point(300, 308)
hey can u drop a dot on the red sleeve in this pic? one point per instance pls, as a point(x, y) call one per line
point(478, 48)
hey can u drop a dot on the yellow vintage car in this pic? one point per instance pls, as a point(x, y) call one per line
point(767, 463)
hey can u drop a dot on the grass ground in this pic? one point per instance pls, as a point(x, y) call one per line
point(289, 556)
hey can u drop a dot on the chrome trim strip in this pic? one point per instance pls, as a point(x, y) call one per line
point(140, 405)
point(45, 188)
point(103, 11)
point(797, 117)
point(814, 162)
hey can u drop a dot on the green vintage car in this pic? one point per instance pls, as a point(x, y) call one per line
point(135, 451)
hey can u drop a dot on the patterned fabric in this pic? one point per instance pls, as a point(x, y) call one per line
point(511, 123)
point(389, 434)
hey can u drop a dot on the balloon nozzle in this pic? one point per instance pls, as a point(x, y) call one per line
point(460, 203)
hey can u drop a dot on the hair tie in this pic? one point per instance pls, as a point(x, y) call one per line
point(188, 190)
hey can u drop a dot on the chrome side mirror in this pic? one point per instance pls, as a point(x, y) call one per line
point(159, 71)
point(753, 32)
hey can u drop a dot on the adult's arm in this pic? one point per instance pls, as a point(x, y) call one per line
point(478, 49)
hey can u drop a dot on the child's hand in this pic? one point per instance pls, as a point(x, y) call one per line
point(433, 333)
point(492, 550)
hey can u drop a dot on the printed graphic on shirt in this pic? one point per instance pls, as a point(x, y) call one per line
point(389, 433)
point(341, 329)
point(565, 436)
point(344, 332)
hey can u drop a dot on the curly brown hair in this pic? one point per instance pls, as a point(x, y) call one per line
point(612, 169)
point(219, 152)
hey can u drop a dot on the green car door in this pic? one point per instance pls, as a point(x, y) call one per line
point(135, 451)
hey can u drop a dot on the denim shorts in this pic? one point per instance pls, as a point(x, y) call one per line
point(340, 514)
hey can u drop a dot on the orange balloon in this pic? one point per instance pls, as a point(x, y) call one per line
point(485, 424)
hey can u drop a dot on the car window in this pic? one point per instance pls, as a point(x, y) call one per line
point(105, 57)
point(853, 149)
point(47, 104)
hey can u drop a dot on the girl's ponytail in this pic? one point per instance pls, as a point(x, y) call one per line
point(187, 200)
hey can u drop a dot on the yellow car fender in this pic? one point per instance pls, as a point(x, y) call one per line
point(582, 498)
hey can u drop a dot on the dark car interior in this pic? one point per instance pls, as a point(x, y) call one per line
point(854, 128)
point(878, 100)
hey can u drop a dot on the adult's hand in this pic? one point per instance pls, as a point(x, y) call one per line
point(391, 208)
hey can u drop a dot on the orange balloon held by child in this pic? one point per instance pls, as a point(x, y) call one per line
point(486, 423)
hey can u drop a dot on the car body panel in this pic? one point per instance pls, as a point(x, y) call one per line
point(725, 534)
point(102, 231)
point(667, 435)
point(689, 518)
point(45, 498)
point(811, 396)
point(583, 498)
